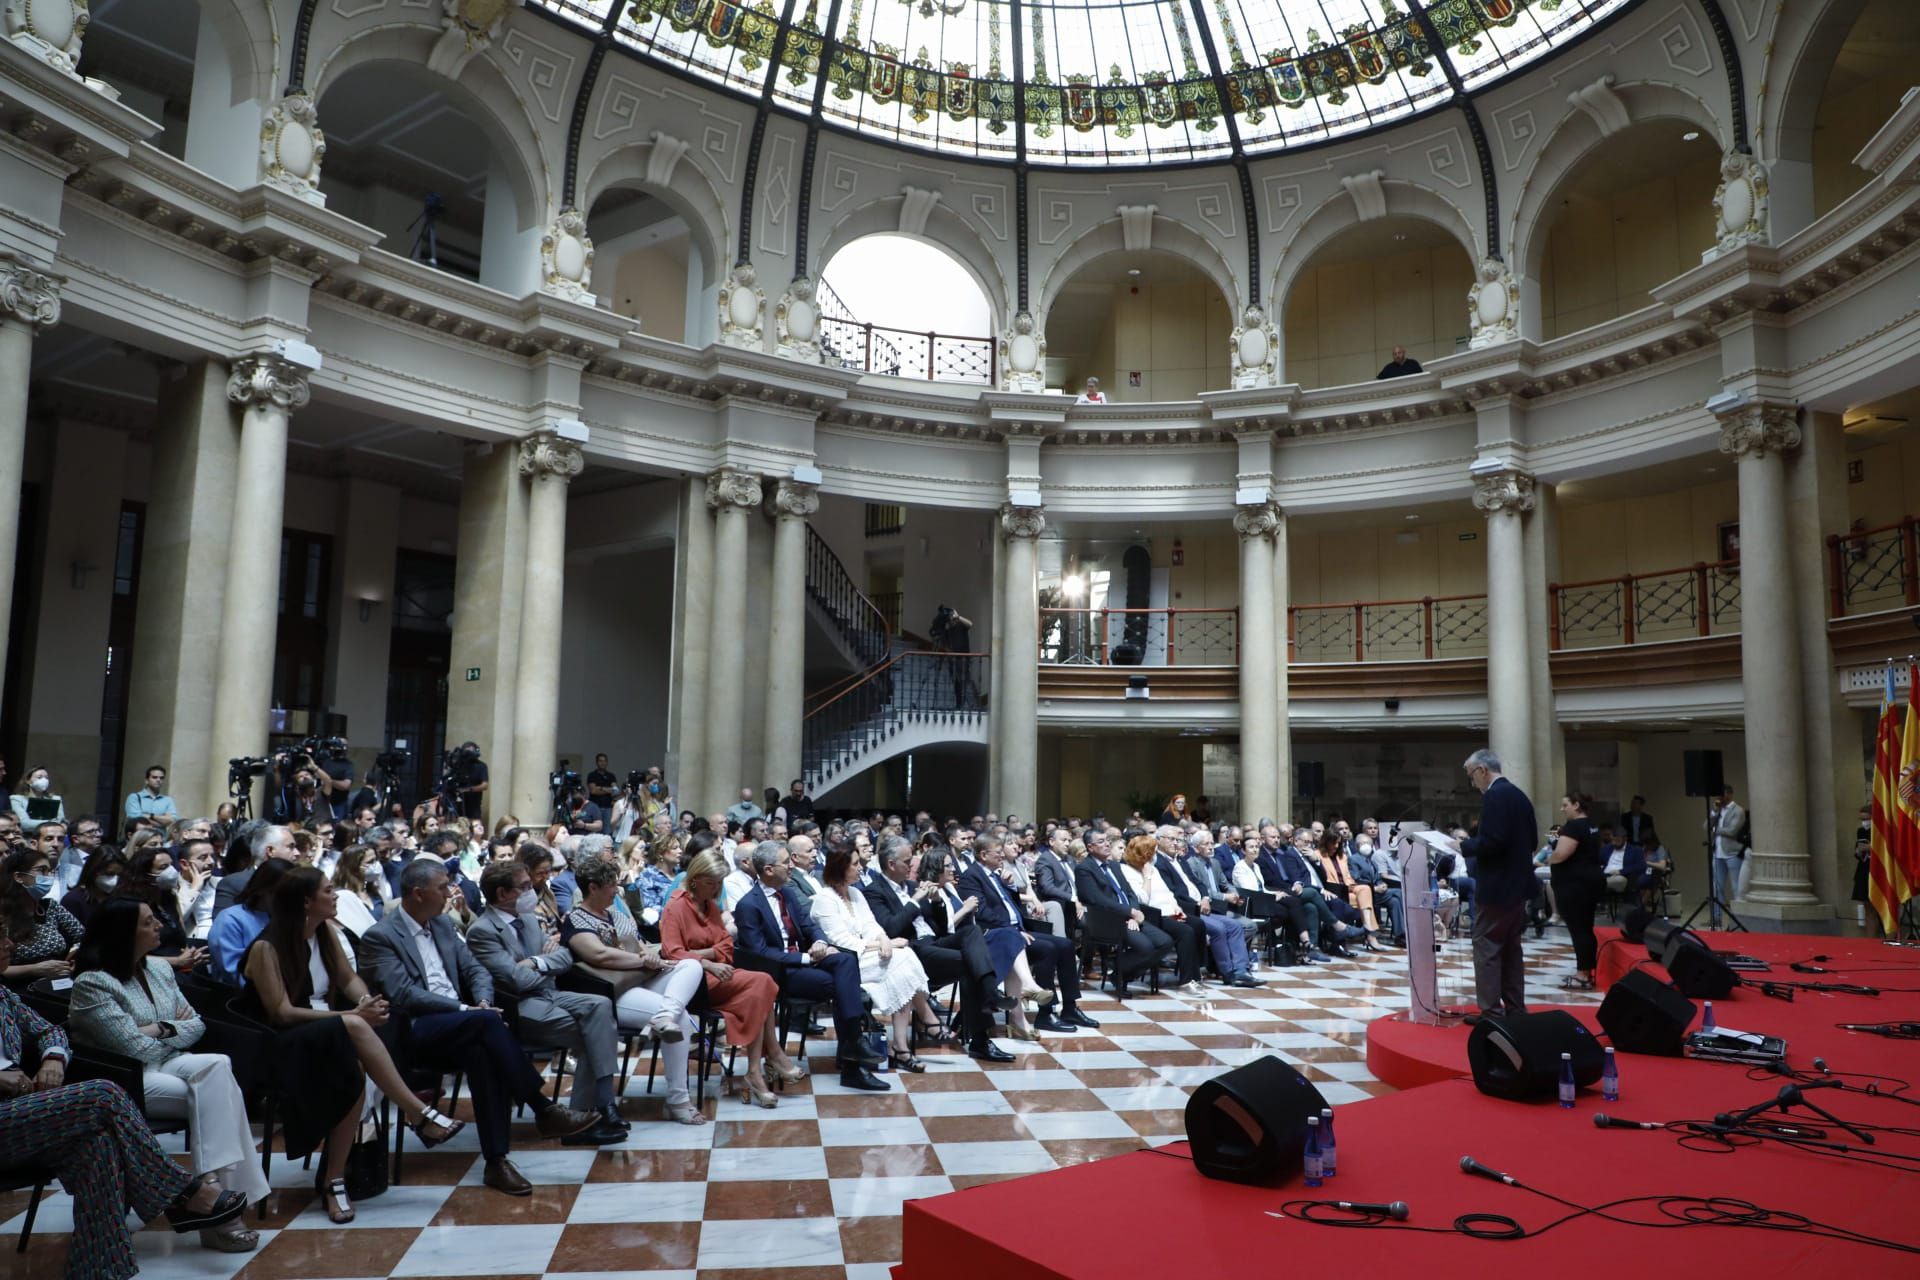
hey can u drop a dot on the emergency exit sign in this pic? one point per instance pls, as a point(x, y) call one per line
point(473, 673)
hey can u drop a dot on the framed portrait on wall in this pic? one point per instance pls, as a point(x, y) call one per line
point(1730, 541)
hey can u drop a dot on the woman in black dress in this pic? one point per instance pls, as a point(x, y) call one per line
point(1579, 882)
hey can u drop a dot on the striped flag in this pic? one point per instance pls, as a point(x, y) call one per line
point(1887, 884)
point(1906, 849)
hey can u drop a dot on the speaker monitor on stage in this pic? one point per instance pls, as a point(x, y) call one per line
point(1641, 1015)
point(1518, 1057)
point(1250, 1124)
point(1690, 962)
point(1704, 777)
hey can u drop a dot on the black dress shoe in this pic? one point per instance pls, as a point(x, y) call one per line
point(599, 1135)
point(1246, 980)
point(1079, 1019)
point(1045, 1021)
point(857, 1051)
point(988, 1051)
point(861, 1078)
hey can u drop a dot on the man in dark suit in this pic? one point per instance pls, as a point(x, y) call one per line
point(262, 840)
point(1271, 842)
point(899, 906)
point(1638, 824)
point(1050, 955)
point(1221, 936)
point(416, 959)
point(776, 926)
point(1503, 851)
point(1053, 878)
point(1101, 885)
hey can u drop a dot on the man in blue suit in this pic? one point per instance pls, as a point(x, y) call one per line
point(1503, 851)
point(1051, 955)
point(775, 925)
point(1101, 885)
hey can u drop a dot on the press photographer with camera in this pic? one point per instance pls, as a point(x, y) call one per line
point(463, 780)
point(324, 762)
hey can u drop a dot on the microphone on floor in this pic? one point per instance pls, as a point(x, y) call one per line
point(1397, 1210)
point(1469, 1165)
point(1602, 1120)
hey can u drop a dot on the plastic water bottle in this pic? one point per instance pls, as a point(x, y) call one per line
point(1314, 1163)
point(1706, 1018)
point(1329, 1153)
point(1566, 1080)
point(1610, 1078)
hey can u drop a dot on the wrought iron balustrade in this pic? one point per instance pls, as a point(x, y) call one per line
point(1873, 569)
point(911, 689)
point(1635, 608)
point(907, 353)
point(1388, 630)
point(1140, 637)
point(859, 622)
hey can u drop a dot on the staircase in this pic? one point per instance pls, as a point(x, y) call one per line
point(896, 699)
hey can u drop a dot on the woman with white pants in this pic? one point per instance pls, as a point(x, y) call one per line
point(129, 1004)
point(655, 1000)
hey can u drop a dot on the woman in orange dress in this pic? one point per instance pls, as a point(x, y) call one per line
point(693, 927)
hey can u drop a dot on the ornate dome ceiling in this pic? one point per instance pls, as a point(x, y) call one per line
point(1097, 81)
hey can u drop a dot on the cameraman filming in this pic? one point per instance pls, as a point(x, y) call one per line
point(468, 774)
point(298, 797)
point(583, 816)
point(324, 761)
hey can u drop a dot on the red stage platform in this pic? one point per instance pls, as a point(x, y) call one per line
point(1151, 1214)
point(1858, 956)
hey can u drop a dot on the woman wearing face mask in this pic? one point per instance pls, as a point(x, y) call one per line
point(98, 880)
point(44, 933)
point(37, 802)
point(153, 879)
point(359, 906)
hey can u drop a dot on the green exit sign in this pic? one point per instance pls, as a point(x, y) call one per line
point(473, 673)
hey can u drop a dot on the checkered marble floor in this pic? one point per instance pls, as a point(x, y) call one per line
point(812, 1189)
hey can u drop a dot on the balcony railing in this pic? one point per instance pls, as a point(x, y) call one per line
point(1672, 604)
point(1388, 630)
point(908, 353)
point(1140, 637)
point(1872, 569)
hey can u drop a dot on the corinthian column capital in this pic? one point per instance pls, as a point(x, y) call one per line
point(730, 487)
point(544, 454)
point(1022, 522)
point(795, 500)
point(1257, 520)
point(28, 294)
point(258, 381)
point(1503, 493)
point(1760, 429)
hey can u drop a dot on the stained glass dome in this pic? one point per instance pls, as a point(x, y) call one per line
point(1097, 81)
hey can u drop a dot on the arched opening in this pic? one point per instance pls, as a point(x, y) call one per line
point(1392, 281)
point(1633, 213)
point(896, 304)
point(410, 155)
point(1871, 72)
point(1150, 326)
point(649, 266)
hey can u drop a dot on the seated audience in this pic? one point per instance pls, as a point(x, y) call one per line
point(153, 879)
point(199, 881)
point(1223, 937)
point(445, 995)
point(891, 974)
point(250, 845)
point(37, 802)
point(325, 1046)
point(901, 908)
point(952, 918)
point(127, 1002)
point(1151, 892)
point(360, 906)
point(98, 880)
point(1102, 885)
point(1051, 956)
point(537, 858)
point(693, 927)
point(235, 929)
point(44, 933)
point(1336, 870)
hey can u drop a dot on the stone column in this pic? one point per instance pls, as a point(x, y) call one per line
point(693, 627)
point(1282, 734)
point(1539, 542)
point(733, 495)
point(1017, 702)
point(1760, 436)
point(1259, 733)
point(29, 302)
point(792, 504)
point(548, 462)
point(996, 652)
point(268, 387)
point(489, 575)
point(1505, 497)
point(360, 641)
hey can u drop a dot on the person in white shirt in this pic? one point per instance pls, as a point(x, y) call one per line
point(1152, 892)
point(1090, 393)
point(741, 881)
point(1728, 826)
point(890, 973)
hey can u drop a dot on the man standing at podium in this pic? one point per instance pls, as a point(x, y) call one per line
point(1503, 851)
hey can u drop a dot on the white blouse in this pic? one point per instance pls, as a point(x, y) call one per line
point(1150, 888)
point(1246, 875)
point(846, 922)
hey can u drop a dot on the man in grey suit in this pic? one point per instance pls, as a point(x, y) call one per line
point(803, 878)
point(262, 840)
point(414, 957)
point(1053, 879)
point(522, 958)
point(1221, 895)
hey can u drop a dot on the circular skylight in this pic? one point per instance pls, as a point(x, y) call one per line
point(1102, 81)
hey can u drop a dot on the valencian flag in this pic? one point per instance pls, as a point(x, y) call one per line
point(1887, 884)
point(1906, 849)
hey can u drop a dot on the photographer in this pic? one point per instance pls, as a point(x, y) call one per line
point(467, 774)
point(297, 797)
point(583, 816)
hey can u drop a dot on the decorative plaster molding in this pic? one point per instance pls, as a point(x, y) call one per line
point(1760, 430)
point(257, 381)
point(1257, 520)
point(50, 30)
point(1022, 522)
point(731, 487)
point(1493, 305)
point(1741, 202)
point(916, 206)
point(796, 323)
point(1607, 109)
point(468, 28)
point(742, 305)
point(1369, 196)
point(566, 258)
point(664, 158)
point(27, 294)
point(545, 456)
point(1023, 356)
point(1254, 351)
point(793, 500)
point(292, 147)
point(1504, 493)
point(1136, 226)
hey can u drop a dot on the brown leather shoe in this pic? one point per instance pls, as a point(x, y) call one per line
point(502, 1176)
point(563, 1122)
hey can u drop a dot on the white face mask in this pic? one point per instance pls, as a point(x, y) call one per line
point(41, 784)
point(108, 883)
point(528, 903)
point(168, 878)
point(1365, 849)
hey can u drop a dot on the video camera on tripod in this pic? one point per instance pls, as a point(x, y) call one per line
point(455, 769)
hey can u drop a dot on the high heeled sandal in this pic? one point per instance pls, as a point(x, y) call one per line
point(339, 1207)
point(446, 1125)
point(903, 1060)
point(226, 1207)
point(935, 1033)
point(755, 1092)
point(794, 1072)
